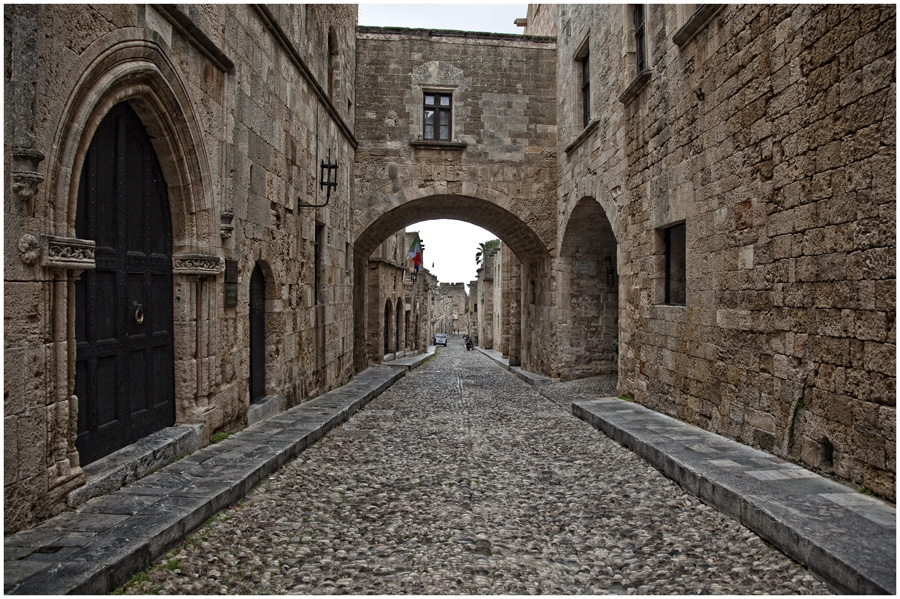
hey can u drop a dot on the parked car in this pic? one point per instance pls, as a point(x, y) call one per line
point(440, 339)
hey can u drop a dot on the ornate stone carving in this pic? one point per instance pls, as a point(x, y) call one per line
point(202, 265)
point(226, 228)
point(25, 177)
point(67, 253)
point(29, 249)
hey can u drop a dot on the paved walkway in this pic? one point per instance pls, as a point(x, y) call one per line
point(97, 548)
point(843, 537)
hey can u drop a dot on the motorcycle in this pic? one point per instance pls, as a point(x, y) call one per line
point(469, 344)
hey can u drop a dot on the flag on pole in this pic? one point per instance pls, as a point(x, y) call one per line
point(415, 252)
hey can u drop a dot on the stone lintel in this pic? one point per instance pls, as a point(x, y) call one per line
point(203, 265)
point(67, 253)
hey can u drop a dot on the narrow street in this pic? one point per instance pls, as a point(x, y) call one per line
point(461, 478)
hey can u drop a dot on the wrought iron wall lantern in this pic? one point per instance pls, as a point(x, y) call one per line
point(327, 179)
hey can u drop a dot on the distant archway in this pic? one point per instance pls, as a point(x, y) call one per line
point(520, 237)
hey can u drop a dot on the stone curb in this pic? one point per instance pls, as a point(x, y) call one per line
point(529, 377)
point(97, 548)
point(410, 362)
point(843, 537)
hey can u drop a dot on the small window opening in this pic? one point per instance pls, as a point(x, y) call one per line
point(438, 116)
point(317, 263)
point(639, 55)
point(676, 265)
point(826, 456)
point(585, 90)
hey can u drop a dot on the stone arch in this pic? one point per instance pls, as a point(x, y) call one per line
point(132, 66)
point(520, 236)
point(587, 283)
point(594, 188)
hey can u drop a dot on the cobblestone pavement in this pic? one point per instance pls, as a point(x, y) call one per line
point(463, 479)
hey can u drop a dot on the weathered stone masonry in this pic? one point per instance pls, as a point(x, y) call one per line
point(765, 133)
point(771, 135)
point(497, 171)
point(242, 103)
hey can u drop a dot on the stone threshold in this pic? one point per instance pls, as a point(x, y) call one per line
point(135, 461)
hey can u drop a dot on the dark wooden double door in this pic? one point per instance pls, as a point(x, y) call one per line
point(124, 372)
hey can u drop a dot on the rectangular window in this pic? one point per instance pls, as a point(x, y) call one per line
point(676, 265)
point(438, 111)
point(585, 90)
point(639, 38)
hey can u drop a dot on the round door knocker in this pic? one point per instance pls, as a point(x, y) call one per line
point(138, 312)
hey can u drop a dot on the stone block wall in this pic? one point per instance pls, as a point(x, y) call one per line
point(499, 169)
point(238, 103)
point(770, 133)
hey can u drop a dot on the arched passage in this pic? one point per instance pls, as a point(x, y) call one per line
point(588, 307)
point(530, 251)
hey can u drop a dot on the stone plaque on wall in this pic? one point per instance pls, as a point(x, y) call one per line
point(585, 267)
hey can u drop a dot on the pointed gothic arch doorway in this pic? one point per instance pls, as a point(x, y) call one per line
point(124, 371)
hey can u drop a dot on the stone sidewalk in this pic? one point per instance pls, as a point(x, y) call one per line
point(98, 547)
point(843, 537)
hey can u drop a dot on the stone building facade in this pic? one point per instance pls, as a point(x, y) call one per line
point(453, 318)
point(398, 302)
point(496, 168)
point(224, 115)
point(700, 199)
point(727, 200)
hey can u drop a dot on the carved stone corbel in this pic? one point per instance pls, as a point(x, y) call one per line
point(226, 227)
point(202, 265)
point(25, 176)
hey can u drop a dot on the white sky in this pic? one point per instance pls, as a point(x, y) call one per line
point(493, 18)
point(450, 245)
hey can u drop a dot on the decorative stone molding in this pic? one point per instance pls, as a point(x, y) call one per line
point(29, 249)
point(202, 265)
point(703, 15)
point(25, 178)
point(67, 253)
point(226, 227)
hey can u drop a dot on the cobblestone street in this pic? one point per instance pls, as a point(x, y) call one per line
point(461, 478)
